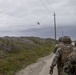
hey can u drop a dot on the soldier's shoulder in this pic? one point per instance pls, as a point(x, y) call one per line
point(74, 48)
point(73, 53)
point(59, 50)
point(56, 45)
point(67, 45)
point(72, 56)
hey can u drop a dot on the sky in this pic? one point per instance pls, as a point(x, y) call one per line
point(20, 17)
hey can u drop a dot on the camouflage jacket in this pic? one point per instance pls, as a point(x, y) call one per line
point(74, 48)
point(70, 65)
point(55, 49)
point(57, 46)
point(57, 57)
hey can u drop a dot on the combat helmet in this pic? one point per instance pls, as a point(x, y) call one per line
point(60, 39)
point(66, 39)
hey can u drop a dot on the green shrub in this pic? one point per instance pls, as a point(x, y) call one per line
point(22, 52)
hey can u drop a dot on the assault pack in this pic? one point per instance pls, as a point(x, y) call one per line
point(66, 50)
point(70, 65)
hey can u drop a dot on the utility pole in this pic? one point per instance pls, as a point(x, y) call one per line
point(55, 26)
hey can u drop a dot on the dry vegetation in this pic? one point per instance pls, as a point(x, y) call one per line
point(18, 52)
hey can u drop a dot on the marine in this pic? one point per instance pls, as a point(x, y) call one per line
point(74, 46)
point(59, 45)
point(61, 54)
point(70, 65)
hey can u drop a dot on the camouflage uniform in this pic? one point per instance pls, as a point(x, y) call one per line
point(70, 65)
point(74, 46)
point(58, 54)
point(59, 45)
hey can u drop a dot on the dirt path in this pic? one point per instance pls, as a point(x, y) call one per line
point(39, 68)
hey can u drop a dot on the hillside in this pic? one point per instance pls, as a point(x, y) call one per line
point(18, 52)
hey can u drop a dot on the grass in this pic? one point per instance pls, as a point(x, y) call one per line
point(25, 54)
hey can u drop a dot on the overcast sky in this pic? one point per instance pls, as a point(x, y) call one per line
point(20, 17)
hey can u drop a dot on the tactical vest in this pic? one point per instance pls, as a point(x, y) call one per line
point(66, 50)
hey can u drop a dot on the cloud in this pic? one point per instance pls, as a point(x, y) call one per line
point(44, 32)
point(19, 17)
point(72, 2)
point(20, 12)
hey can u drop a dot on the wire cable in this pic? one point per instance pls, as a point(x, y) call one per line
point(46, 7)
point(54, 19)
point(51, 5)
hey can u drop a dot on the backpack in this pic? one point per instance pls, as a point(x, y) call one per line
point(66, 50)
point(72, 59)
point(71, 64)
point(72, 56)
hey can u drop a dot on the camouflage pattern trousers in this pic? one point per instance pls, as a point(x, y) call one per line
point(64, 73)
point(60, 69)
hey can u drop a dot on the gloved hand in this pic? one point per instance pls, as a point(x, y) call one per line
point(51, 70)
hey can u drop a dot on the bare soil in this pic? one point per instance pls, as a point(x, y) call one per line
point(42, 67)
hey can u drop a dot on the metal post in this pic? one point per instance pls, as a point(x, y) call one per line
point(55, 26)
